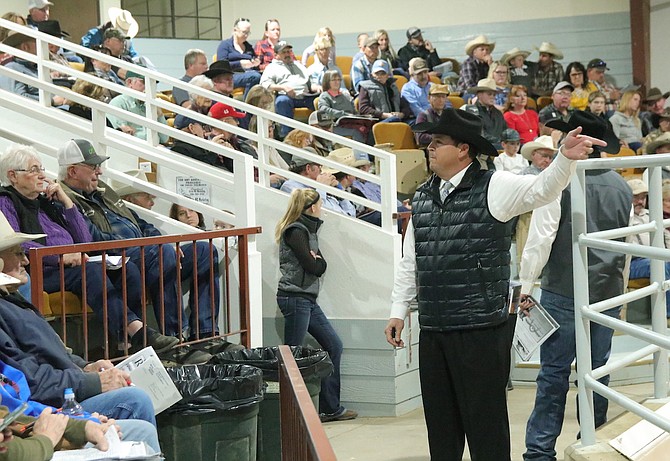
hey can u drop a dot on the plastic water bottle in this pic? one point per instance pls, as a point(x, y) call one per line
point(71, 407)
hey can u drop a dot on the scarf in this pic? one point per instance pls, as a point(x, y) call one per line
point(28, 210)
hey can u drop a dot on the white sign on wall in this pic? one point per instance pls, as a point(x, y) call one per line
point(193, 188)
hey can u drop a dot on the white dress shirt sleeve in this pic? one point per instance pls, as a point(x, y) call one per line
point(404, 284)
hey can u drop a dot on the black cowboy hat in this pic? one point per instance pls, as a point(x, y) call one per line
point(460, 125)
point(52, 27)
point(593, 126)
point(219, 68)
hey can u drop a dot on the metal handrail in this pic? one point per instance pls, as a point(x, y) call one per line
point(302, 435)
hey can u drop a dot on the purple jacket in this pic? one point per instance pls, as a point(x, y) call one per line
point(76, 231)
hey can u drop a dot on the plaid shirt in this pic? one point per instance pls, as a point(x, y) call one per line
point(546, 79)
point(606, 89)
point(265, 51)
point(472, 71)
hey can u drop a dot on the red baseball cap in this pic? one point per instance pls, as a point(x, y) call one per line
point(221, 110)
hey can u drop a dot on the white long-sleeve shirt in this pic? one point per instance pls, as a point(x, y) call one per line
point(508, 195)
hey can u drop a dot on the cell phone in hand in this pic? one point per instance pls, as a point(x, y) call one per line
point(10, 418)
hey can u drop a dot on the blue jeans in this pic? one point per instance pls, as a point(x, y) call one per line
point(301, 316)
point(556, 357)
point(72, 279)
point(136, 430)
point(246, 80)
point(204, 287)
point(284, 105)
point(124, 403)
point(640, 269)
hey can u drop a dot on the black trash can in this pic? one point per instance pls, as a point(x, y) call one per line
point(217, 415)
point(314, 364)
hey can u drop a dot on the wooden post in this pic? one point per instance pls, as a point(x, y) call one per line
point(640, 42)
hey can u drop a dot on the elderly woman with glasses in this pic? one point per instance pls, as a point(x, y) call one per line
point(34, 204)
point(241, 55)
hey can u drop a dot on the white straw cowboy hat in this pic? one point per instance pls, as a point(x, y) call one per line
point(475, 42)
point(10, 238)
point(123, 20)
point(513, 53)
point(543, 142)
point(550, 48)
point(123, 189)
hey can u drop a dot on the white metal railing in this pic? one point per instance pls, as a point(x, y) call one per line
point(585, 313)
point(103, 137)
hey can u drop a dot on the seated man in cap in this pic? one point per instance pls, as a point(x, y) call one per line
point(548, 72)
point(559, 107)
point(136, 106)
point(655, 105)
point(362, 69)
point(493, 122)
point(509, 159)
point(663, 122)
point(437, 98)
point(290, 80)
point(118, 19)
point(195, 63)
point(660, 145)
point(115, 41)
point(227, 114)
point(322, 146)
point(476, 65)
point(417, 47)
point(415, 91)
point(109, 219)
point(38, 11)
point(595, 71)
point(194, 127)
point(379, 97)
point(25, 44)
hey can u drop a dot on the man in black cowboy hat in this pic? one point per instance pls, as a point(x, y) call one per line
point(195, 63)
point(222, 76)
point(549, 250)
point(457, 264)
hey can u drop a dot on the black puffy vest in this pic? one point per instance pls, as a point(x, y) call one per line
point(462, 255)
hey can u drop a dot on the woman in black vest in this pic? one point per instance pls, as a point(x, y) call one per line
point(301, 264)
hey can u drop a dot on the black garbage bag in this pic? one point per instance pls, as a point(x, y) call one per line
point(207, 388)
point(313, 363)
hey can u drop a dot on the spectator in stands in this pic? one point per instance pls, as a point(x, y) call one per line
point(559, 107)
point(261, 97)
point(417, 47)
point(548, 72)
point(323, 34)
point(241, 55)
point(115, 41)
point(500, 74)
point(661, 145)
point(595, 71)
point(597, 104)
point(655, 105)
point(539, 153)
point(321, 64)
point(518, 117)
point(196, 102)
point(322, 146)
point(52, 28)
point(626, 121)
point(108, 218)
point(195, 63)
point(25, 44)
point(640, 267)
point(38, 11)
point(370, 190)
point(131, 194)
point(290, 81)
point(227, 114)
point(121, 20)
point(43, 359)
point(493, 122)
point(663, 127)
point(196, 128)
point(360, 42)
point(575, 73)
point(34, 204)
point(265, 48)
point(309, 169)
point(521, 72)
point(415, 91)
point(336, 103)
point(379, 97)
point(128, 103)
point(437, 97)
point(509, 159)
point(476, 65)
point(187, 216)
point(221, 75)
point(362, 69)
point(95, 92)
point(103, 70)
point(386, 51)
point(12, 17)
point(299, 138)
point(301, 264)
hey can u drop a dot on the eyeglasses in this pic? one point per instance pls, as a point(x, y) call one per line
point(32, 170)
point(97, 166)
point(564, 93)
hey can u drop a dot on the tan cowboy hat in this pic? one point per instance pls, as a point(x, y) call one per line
point(345, 156)
point(14, 39)
point(550, 48)
point(514, 52)
point(10, 238)
point(123, 19)
point(485, 84)
point(658, 142)
point(475, 42)
point(543, 142)
point(123, 189)
point(638, 186)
